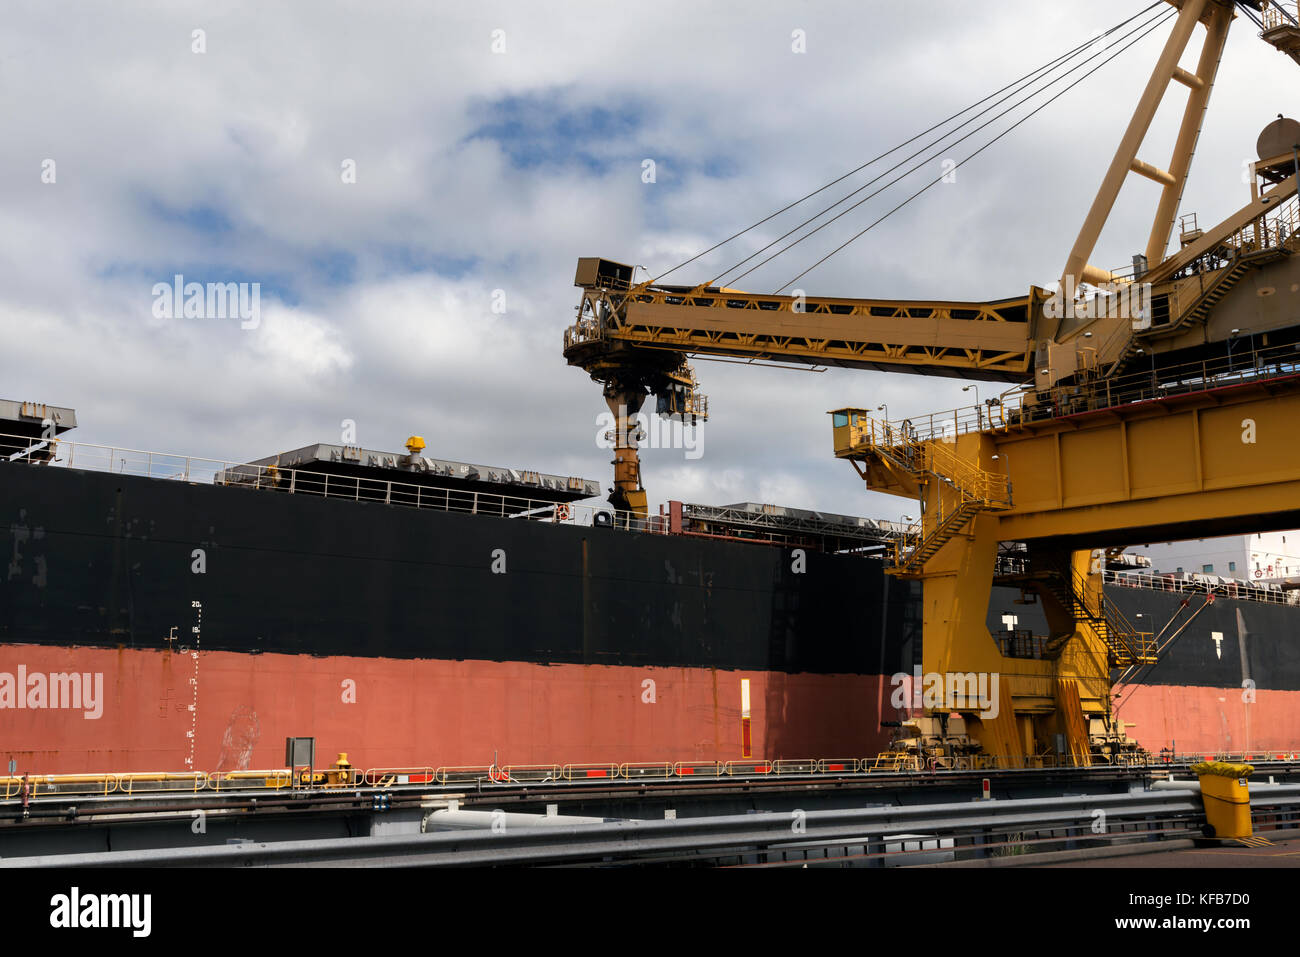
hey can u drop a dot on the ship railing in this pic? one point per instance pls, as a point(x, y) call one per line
point(570, 772)
point(467, 774)
point(274, 779)
point(1259, 756)
point(747, 768)
point(271, 478)
point(646, 770)
point(1195, 583)
point(50, 785)
point(387, 777)
point(524, 774)
point(129, 783)
point(138, 782)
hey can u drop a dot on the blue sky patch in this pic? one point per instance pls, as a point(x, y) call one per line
point(540, 129)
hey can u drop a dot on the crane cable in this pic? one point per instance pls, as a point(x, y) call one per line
point(820, 189)
point(1026, 79)
point(1036, 77)
point(1158, 22)
point(926, 161)
point(943, 148)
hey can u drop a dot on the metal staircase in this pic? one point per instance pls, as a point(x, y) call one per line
point(1129, 351)
point(971, 490)
point(1125, 645)
point(1212, 294)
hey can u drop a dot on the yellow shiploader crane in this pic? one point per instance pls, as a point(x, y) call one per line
point(1152, 404)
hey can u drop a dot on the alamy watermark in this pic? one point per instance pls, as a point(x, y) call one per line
point(651, 432)
point(75, 909)
point(953, 691)
point(83, 691)
point(1130, 300)
point(215, 300)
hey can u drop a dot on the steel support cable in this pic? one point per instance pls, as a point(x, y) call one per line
point(1150, 25)
point(1142, 673)
point(939, 141)
point(1048, 66)
point(1159, 22)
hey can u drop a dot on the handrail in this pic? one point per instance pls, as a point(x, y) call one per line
point(900, 760)
point(1237, 367)
point(1138, 645)
point(162, 781)
point(1278, 14)
point(976, 488)
point(1193, 584)
point(379, 490)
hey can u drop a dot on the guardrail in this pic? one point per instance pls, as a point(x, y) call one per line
point(204, 471)
point(1192, 584)
point(39, 786)
point(1279, 14)
point(996, 414)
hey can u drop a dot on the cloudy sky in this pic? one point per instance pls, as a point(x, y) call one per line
point(495, 143)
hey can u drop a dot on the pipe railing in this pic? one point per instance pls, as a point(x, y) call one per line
point(53, 786)
point(1196, 584)
point(205, 471)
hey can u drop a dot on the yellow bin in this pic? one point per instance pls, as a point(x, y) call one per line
point(1226, 797)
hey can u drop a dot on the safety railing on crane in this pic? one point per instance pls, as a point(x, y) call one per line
point(1273, 230)
point(1244, 362)
point(1277, 14)
point(972, 489)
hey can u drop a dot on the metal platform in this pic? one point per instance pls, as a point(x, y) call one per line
point(31, 421)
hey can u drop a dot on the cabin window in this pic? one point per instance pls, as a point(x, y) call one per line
point(840, 419)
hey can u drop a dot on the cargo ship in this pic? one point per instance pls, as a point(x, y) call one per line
point(162, 612)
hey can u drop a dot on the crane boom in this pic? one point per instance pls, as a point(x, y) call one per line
point(975, 339)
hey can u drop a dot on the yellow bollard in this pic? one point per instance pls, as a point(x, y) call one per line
point(1227, 798)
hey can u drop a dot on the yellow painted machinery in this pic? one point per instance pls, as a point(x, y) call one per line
point(1147, 404)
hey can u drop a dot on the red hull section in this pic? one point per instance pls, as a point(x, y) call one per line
point(1193, 720)
point(399, 713)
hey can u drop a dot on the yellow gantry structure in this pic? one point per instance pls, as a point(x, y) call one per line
point(1201, 463)
point(1154, 404)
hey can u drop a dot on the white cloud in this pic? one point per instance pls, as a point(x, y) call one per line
point(377, 295)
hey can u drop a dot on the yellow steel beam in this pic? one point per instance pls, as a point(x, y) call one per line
point(1212, 463)
point(1219, 19)
point(1076, 266)
point(987, 339)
